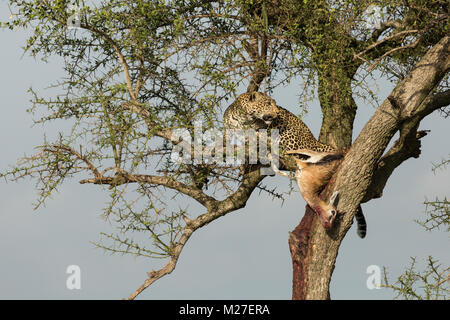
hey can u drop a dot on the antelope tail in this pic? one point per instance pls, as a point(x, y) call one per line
point(361, 223)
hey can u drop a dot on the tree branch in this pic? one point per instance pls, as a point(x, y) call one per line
point(146, 116)
point(168, 268)
point(79, 156)
point(407, 146)
point(381, 41)
point(166, 181)
point(251, 179)
point(396, 24)
point(261, 67)
point(121, 57)
point(437, 101)
point(378, 60)
point(405, 107)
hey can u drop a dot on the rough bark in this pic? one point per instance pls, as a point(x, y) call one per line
point(313, 249)
point(298, 245)
point(338, 108)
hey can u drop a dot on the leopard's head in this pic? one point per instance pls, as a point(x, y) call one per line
point(259, 108)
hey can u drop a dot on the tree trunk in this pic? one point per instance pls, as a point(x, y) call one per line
point(338, 108)
point(313, 249)
point(313, 253)
point(301, 247)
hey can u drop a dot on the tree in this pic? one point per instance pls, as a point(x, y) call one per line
point(138, 70)
point(433, 283)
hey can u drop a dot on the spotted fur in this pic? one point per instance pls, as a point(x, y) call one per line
point(294, 134)
point(256, 111)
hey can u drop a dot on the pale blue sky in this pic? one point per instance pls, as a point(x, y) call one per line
point(243, 255)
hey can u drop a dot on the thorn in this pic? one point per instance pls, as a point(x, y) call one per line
point(186, 219)
point(422, 133)
point(11, 16)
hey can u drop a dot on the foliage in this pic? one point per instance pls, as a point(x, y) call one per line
point(433, 283)
point(137, 70)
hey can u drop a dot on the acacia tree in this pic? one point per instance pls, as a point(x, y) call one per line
point(432, 283)
point(138, 70)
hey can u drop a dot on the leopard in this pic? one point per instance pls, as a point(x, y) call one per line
point(258, 110)
point(295, 135)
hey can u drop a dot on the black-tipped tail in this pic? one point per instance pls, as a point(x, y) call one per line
point(330, 158)
point(361, 222)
